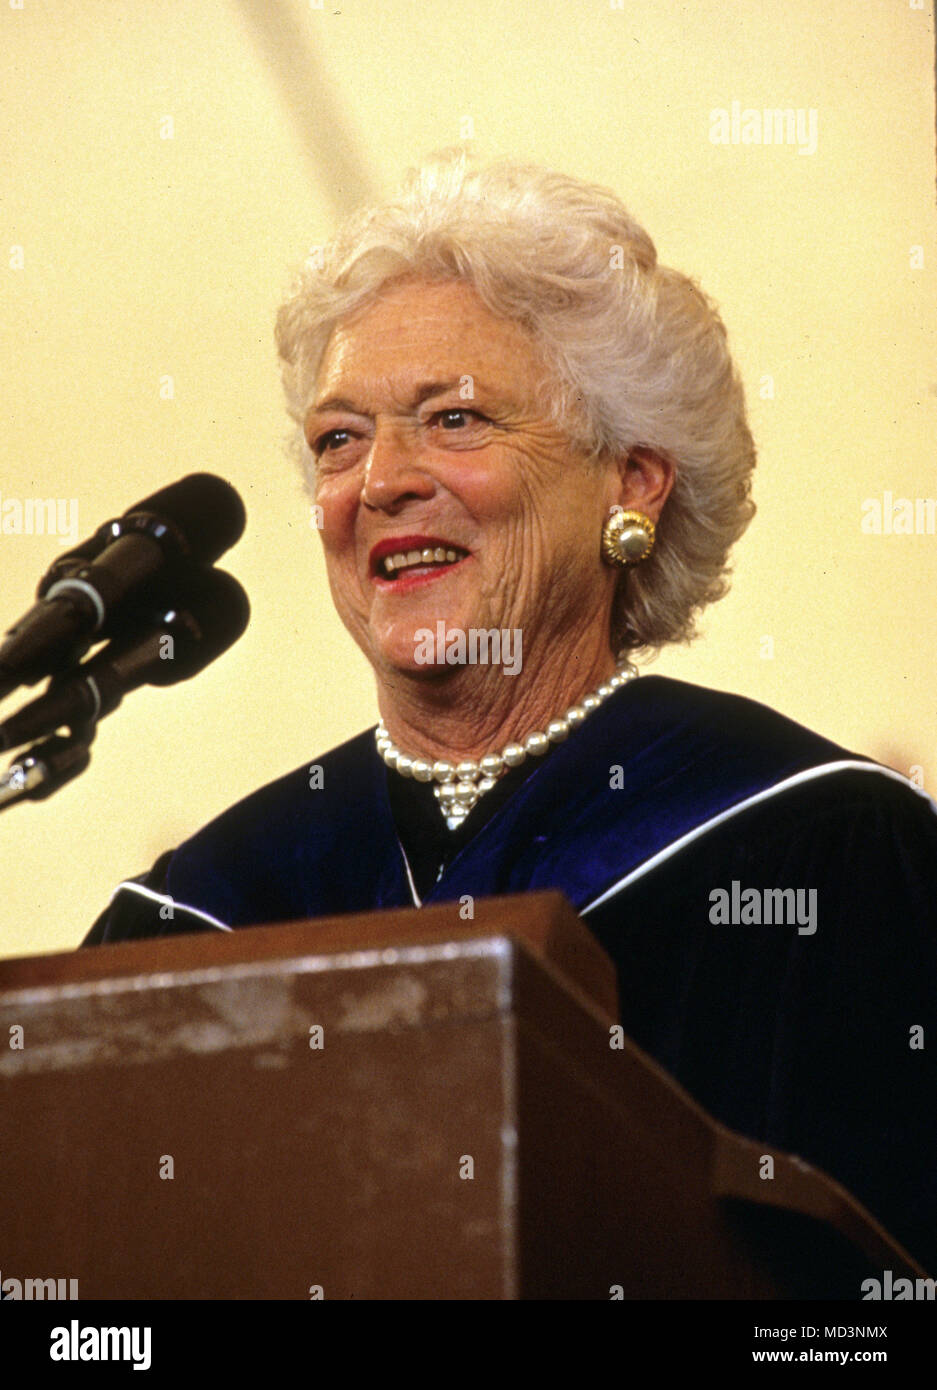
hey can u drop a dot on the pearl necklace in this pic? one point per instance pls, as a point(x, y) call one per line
point(459, 785)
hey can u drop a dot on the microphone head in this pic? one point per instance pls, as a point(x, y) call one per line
point(204, 512)
point(211, 613)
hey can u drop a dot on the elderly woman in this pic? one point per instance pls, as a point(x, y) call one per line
point(527, 445)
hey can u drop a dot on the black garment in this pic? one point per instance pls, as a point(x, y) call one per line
point(804, 1041)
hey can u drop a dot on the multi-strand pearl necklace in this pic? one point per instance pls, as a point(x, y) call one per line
point(459, 785)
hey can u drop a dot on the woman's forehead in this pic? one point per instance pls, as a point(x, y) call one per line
point(430, 331)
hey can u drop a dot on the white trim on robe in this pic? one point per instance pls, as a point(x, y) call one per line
point(163, 898)
point(822, 770)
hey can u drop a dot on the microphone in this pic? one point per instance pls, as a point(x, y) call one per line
point(95, 591)
point(198, 494)
point(183, 640)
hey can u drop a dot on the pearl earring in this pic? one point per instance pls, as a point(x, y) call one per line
point(627, 538)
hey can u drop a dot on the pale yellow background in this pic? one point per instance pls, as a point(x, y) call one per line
point(148, 257)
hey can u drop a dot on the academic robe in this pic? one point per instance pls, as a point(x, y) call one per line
point(804, 1018)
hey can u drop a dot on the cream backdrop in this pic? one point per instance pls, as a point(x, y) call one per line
point(168, 163)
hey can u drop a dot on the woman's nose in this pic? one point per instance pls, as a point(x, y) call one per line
point(393, 473)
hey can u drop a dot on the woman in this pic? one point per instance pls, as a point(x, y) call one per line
point(528, 448)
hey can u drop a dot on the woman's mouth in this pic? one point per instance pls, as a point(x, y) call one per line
point(400, 567)
point(407, 561)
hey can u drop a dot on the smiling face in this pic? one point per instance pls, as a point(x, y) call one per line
point(447, 492)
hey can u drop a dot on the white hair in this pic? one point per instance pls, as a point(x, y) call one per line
point(638, 353)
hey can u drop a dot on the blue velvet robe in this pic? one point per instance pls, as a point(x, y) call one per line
point(666, 819)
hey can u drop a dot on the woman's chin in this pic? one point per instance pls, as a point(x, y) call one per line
point(419, 651)
point(419, 644)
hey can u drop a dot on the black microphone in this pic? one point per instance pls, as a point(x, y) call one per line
point(181, 641)
point(94, 592)
point(198, 495)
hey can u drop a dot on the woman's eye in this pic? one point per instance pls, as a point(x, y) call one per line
point(332, 439)
point(457, 419)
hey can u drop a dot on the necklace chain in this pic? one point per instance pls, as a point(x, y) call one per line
point(459, 785)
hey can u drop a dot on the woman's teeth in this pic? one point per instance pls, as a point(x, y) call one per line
point(406, 559)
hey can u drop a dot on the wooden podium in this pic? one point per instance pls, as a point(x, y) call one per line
point(397, 1105)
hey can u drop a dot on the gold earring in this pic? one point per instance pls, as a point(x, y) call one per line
point(627, 538)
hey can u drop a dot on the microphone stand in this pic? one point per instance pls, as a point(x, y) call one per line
point(48, 765)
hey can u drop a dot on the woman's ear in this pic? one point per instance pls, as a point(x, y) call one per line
point(646, 478)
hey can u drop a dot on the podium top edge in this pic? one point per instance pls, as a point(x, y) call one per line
point(544, 922)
